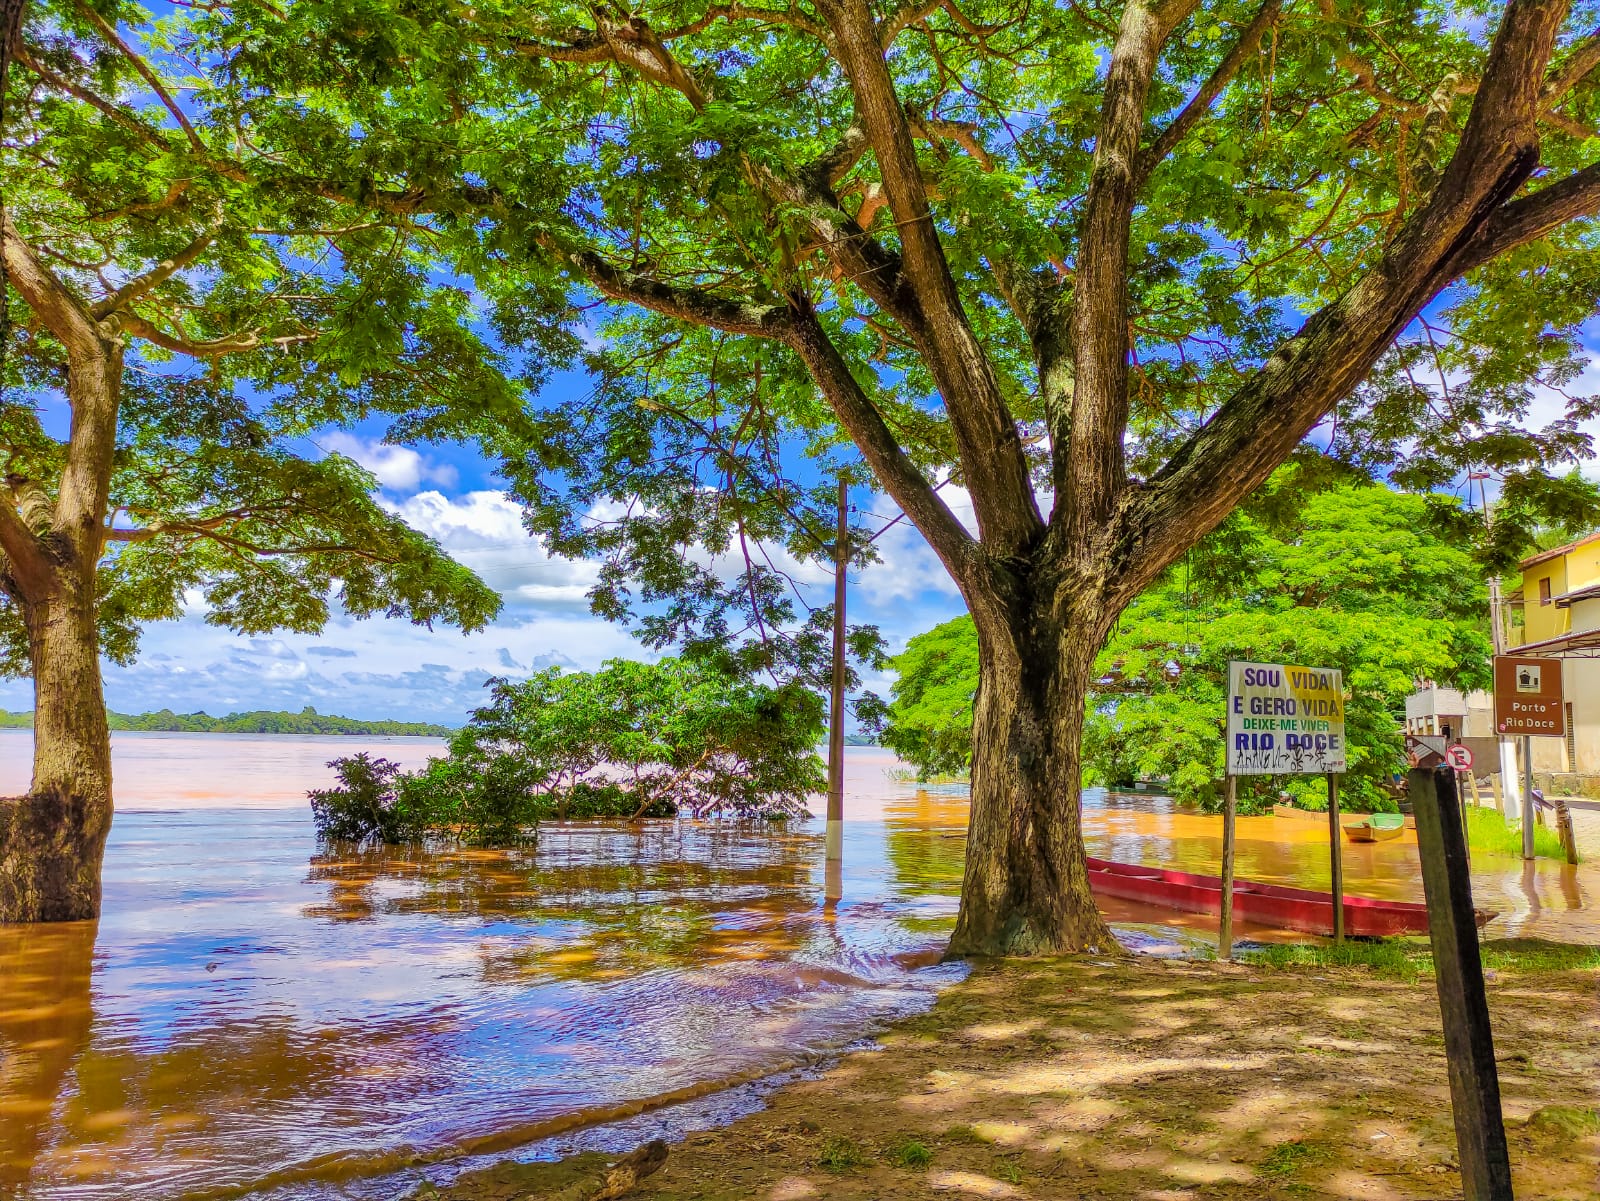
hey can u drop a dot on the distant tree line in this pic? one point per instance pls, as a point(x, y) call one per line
point(257, 721)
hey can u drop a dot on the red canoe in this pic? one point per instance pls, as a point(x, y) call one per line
point(1261, 904)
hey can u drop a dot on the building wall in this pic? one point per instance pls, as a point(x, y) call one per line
point(1576, 569)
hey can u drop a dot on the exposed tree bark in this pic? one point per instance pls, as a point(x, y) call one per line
point(1026, 888)
point(52, 840)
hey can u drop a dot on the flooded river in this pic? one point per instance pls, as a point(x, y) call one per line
point(252, 1015)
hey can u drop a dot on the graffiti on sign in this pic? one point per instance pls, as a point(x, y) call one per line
point(1285, 720)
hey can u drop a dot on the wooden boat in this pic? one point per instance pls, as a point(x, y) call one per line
point(1283, 810)
point(1375, 827)
point(1261, 904)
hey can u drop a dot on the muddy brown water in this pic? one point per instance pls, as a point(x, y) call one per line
point(255, 1014)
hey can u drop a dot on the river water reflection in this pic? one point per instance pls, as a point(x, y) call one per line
point(253, 1013)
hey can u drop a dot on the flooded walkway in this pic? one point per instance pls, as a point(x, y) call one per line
point(251, 1014)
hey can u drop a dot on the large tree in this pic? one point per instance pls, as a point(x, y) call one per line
point(1103, 266)
point(183, 332)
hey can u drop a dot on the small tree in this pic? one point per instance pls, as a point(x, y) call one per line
point(201, 327)
point(630, 740)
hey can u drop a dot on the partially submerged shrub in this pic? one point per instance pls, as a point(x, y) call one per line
point(363, 806)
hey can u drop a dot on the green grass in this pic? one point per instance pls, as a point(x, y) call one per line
point(1488, 830)
point(1008, 1170)
point(1534, 955)
point(1288, 1158)
point(1411, 958)
point(1399, 959)
point(1566, 1122)
point(840, 1155)
point(909, 1153)
point(962, 1134)
point(909, 775)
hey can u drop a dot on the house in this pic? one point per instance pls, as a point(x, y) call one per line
point(1559, 608)
point(1431, 708)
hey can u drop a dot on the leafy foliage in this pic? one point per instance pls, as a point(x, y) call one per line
point(930, 707)
point(1351, 576)
point(253, 319)
point(631, 740)
point(674, 177)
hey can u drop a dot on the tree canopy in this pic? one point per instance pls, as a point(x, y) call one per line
point(244, 320)
point(1379, 584)
point(853, 223)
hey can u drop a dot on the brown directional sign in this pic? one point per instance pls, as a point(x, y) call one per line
point(1527, 696)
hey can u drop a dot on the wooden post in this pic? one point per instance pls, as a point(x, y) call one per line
point(1569, 840)
point(1230, 807)
point(1335, 859)
point(1463, 1004)
point(833, 837)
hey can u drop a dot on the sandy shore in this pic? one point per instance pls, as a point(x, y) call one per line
point(1160, 1081)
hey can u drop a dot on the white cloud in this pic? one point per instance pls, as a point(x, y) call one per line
point(398, 468)
point(484, 530)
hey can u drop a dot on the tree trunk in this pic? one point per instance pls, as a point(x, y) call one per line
point(52, 840)
point(1026, 887)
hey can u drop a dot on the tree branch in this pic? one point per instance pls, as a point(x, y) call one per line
point(136, 61)
point(1585, 58)
point(687, 304)
point(142, 284)
point(25, 554)
point(62, 313)
point(1465, 218)
point(1202, 100)
point(1532, 217)
point(986, 436)
point(893, 469)
point(1095, 471)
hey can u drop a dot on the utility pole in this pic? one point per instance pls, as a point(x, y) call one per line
point(834, 834)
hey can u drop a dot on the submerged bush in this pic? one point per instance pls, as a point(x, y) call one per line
point(362, 807)
point(629, 741)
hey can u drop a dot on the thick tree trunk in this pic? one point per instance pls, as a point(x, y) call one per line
point(53, 839)
point(1026, 887)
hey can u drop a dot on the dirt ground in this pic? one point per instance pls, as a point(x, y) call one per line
point(1163, 1080)
point(1159, 1080)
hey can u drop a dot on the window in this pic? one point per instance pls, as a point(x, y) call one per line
point(1544, 591)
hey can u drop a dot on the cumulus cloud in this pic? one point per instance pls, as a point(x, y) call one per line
point(398, 468)
point(484, 530)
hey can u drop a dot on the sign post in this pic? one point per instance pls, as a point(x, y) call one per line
point(1284, 720)
point(1528, 701)
point(1225, 926)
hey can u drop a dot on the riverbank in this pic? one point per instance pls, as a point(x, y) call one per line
point(1163, 1080)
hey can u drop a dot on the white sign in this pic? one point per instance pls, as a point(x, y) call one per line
point(1284, 720)
point(1459, 757)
